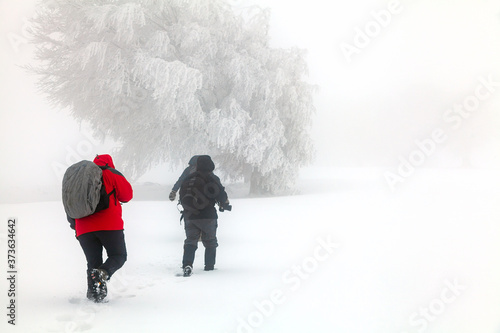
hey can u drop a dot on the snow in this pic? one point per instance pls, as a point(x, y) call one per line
point(346, 254)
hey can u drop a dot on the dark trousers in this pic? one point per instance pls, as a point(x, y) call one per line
point(207, 228)
point(93, 243)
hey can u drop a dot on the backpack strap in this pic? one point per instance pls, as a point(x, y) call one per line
point(114, 193)
point(106, 167)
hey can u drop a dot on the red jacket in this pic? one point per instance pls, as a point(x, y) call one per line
point(110, 218)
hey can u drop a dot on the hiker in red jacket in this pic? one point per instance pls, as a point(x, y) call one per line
point(104, 229)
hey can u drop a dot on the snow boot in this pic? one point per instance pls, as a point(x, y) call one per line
point(99, 290)
point(188, 270)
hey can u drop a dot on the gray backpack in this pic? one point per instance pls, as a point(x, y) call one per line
point(83, 191)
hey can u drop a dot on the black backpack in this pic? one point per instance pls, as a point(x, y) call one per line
point(198, 192)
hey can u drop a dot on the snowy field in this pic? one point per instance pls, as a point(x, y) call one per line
point(345, 255)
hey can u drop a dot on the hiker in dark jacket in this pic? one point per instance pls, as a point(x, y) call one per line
point(202, 219)
point(104, 229)
point(189, 170)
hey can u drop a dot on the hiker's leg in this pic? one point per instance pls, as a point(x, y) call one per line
point(92, 248)
point(191, 242)
point(209, 239)
point(114, 243)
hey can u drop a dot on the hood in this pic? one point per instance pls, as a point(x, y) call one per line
point(104, 160)
point(193, 159)
point(205, 163)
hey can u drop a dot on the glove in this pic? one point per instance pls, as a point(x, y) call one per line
point(171, 196)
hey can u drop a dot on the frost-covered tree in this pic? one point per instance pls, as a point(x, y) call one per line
point(171, 79)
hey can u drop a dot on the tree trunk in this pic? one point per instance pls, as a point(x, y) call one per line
point(251, 178)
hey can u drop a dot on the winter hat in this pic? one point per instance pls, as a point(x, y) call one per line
point(205, 163)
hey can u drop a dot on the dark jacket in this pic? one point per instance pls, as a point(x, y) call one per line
point(205, 168)
point(185, 174)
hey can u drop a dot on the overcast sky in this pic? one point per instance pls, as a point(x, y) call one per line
point(387, 73)
point(397, 89)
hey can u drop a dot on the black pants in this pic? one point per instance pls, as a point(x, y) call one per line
point(207, 228)
point(93, 243)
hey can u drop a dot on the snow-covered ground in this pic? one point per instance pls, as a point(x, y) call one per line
point(346, 254)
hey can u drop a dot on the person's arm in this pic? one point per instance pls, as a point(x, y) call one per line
point(183, 176)
point(179, 182)
point(124, 192)
point(222, 196)
point(71, 222)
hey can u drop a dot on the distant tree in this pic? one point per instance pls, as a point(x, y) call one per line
point(171, 79)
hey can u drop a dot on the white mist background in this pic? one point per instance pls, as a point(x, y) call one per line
point(370, 110)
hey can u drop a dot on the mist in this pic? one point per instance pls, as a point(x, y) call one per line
point(389, 74)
